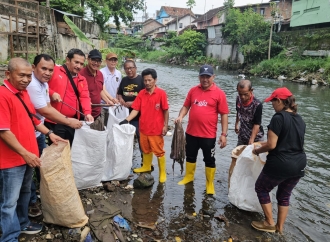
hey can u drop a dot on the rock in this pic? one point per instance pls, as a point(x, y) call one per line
point(321, 70)
point(109, 187)
point(134, 236)
point(314, 82)
point(143, 181)
point(49, 236)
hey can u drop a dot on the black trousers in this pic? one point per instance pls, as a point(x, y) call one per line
point(193, 144)
point(64, 131)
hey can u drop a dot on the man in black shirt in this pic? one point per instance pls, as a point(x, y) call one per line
point(128, 89)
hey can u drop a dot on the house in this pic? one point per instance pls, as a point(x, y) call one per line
point(166, 13)
point(150, 26)
point(180, 23)
point(310, 13)
point(211, 17)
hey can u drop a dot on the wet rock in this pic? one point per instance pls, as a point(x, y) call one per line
point(143, 181)
point(49, 236)
point(109, 187)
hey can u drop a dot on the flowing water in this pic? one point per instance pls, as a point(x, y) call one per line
point(169, 203)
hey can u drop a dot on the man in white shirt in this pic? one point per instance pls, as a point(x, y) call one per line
point(112, 78)
point(43, 67)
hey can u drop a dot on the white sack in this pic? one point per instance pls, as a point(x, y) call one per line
point(242, 182)
point(88, 156)
point(119, 152)
point(116, 115)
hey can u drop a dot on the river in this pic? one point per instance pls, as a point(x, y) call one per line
point(169, 204)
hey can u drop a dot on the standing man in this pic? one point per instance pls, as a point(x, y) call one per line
point(152, 103)
point(67, 96)
point(95, 82)
point(128, 90)
point(205, 102)
point(112, 79)
point(248, 115)
point(18, 150)
point(43, 67)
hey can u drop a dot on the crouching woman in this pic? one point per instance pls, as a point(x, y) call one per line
point(285, 162)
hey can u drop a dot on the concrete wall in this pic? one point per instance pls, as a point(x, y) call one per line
point(226, 53)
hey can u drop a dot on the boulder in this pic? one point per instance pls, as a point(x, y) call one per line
point(143, 181)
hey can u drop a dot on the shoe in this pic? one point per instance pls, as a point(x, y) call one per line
point(147, 160)
point(34, 210)
point(33, 228)
point(209, 173)
point(260, 225)
point(190, 173)
point(162, 169)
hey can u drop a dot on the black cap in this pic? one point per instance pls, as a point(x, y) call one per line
point(95, 54)
point(206, 70)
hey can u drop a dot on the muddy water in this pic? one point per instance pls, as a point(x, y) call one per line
point(169, 204)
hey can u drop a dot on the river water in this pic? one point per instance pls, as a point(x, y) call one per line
point(169, 203)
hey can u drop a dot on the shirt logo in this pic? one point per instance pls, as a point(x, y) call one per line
point(117, 79)
point(200, 103)
point(157, 106)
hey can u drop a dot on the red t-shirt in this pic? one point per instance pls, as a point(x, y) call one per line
point(151, 107)
point(95, 86)
point(204, 109)
point(14, 117)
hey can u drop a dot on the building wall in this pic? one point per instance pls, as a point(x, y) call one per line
point(227, 53)
point(150, 26)
point(310, 12)
point(185, 21)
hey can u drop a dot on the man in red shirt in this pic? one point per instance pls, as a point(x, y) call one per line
point(152, 103)
point(63, 96)
point(204, 102)
point(18, 150)
point(94, 78)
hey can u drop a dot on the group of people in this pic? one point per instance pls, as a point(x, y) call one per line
point(46, 100)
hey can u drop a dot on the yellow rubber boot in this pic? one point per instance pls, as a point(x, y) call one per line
point(162, 169)
point(190, 173)
point(146, 166)
point(209, 173)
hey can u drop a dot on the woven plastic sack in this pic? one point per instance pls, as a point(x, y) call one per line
point(61, 203)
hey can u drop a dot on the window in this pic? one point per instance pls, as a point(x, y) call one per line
point(180, 25)
point(262, 11)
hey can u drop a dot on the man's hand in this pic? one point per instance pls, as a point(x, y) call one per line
point(54, 138)
point(128, 104)
point(74, 123)
point(56, 97)
point(222, 141)
point(31, 159)
point(164, 132)
point(89, 118)
point(236, 128)
point(251, 142)
point(178, 119)
point(123, 122)
point(115, 101)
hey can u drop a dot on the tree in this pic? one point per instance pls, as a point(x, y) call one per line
point(72, 6)
point(190, 4)
point(193, 43)
point(103, 10)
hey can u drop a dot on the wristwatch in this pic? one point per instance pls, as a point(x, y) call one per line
point(49, 132)
point(223, 134)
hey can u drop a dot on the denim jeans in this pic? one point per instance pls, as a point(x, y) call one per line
point(15, 188)
point(41, 140)
point(135, 123)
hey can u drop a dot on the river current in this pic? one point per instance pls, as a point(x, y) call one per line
point(169, 204)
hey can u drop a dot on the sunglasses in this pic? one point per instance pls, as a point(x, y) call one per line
point(96, 60)
point(112, 59)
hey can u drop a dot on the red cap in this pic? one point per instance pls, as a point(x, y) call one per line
point(281, 93)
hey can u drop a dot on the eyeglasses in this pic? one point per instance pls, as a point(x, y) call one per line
point(96, 60)
point(112, 59)
point(129, 68)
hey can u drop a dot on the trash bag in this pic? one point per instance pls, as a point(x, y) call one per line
point(242, 182)
point(116, 115)
point(59, 196)
point(119, 152)
point(234, 155)
point(88, 156)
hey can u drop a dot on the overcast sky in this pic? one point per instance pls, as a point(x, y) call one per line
point(201, 7)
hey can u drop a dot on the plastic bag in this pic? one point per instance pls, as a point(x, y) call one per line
point(116, 115)
point(88, 156)
point(242, 182)
point(61, 203)
point(119, 152)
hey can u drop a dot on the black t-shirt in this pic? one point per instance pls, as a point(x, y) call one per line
point(288, 159)
point(129, 89)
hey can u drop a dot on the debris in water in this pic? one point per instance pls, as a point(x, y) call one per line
point(222, 219)
point(151, 226)
point(178, 149)
point(178, 239)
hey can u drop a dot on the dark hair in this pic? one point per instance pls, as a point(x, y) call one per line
point(73, 52)
point(244, 83)
point(290, 103)
point(46, 57)
point(149, 71)
point(129, 61)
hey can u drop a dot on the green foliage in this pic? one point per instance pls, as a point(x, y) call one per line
point(126, 42)
point(72, 6)
point(251, 32)
point(191, 3)
point(78, 32)
point(193, 43)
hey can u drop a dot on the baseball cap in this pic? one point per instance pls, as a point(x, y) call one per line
point(206, 70)
point(111, 55)
point(95, 54)
point(281, 93)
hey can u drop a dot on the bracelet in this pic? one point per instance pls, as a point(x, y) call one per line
point(224, 134)
point(49, 132)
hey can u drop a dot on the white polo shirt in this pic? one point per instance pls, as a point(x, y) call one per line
point(111, 81)
point(39, 95)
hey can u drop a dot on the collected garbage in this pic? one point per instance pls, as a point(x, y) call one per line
point(178, 146)
point(121, 222)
